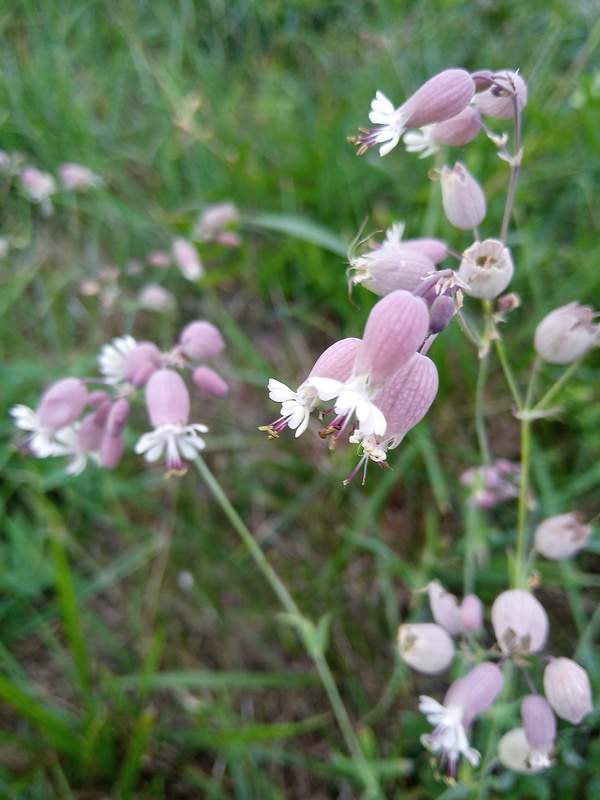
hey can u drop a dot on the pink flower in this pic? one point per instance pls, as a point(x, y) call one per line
point(465, 700)
point(187, 260)
point(568, 689)
point(426, 647)
point(561, 536)
point(508, 88)
point(566, 334)
point(168, 404)
point(201, 339)
point(454, 132)
point(520, 623)
point(462, 197)
point(75, 177)
point(440, 98)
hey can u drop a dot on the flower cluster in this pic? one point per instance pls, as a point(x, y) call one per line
point(521, 628)
point(87, 424)
point(378, 386)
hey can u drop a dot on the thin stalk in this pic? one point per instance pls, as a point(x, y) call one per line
point(556, 387)
point(514, 173)
point(508, 374)
point(519, 579)
point(482, 437)
point(373, 789)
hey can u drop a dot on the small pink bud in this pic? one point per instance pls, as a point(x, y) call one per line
point(111, 451)
point(117, 417)
point(214, 220)
point(520, 622)
point(444, 607)
point(96, 398)
point(426, 647)
point(167, 399)
point(568, 689)
point(140, 362)
point(462, 197)
point(539, 723)
point(187, 259)
point(510, 302)
point(486, 269)
point(156, 298)
point(498, 101)
point(566, 334)
point(90, 433)
point(440, 98)
point(395, 328)
point(201, 339)
point(62, 403)
point(210, 381)
point(441, 313)
point(561, 536)
point(471, 613)
point(159, 259)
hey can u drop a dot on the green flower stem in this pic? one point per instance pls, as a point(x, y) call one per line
point(508, 374)
point(519, 579)
point(373, 789)
point(556, 387)
point(482, 437)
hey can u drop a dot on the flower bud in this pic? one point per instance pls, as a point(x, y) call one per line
point(462, 197)
point(566, 334)
point(454, 132)
point(444, 607)
point(201, 339)
point(520, 622)
point(140, 363)
point(207, 379)
point(90, 432)
point(486, 269)
point(568, 690)
point(154, 297)
point(117, 417)
point(62, 403)
point(389, 268)
point(187, 259)
point(434, 249)
point(441, 313)
point(111, 451)
point(167, 399)
point(498, 101)
point(425, 647)
point(471, 613)
point(561, 536)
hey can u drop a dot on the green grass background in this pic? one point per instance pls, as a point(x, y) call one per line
point(114, 681)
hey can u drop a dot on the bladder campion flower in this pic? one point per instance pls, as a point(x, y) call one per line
point(566, 334)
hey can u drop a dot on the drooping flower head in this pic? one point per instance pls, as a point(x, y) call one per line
point(486, 269)
point(463, 198)
point(506, 89)
point(561, 536)
point(440, 98)
point(520, 623)
point(566, 334)
point(464, 701)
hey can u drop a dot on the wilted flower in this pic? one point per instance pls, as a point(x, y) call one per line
point(187, 260)
point(561, 536)
point(440, 98)
point(462, 197)
point(568, 689)
point(393, 264)
point(76, 176)
point(520, 623)
point(168, 404)
point(465, 700)
point(566, 334)
point(486, 269)
point(426, 647)
point(498, 101)
point(454, 132)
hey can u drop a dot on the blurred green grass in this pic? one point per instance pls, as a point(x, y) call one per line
point(182, 104)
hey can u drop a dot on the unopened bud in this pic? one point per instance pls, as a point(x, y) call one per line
point(141, 362)
point(568, 690)
point(187, 259)
point(201, 339)
point(167, 399)
point(462, 197)
point(207, 379)
point(566, 334)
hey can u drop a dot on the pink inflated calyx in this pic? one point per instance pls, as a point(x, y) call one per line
point(463, 198)
point(210, 381)
point(440, 98)
point(395, 329)
point(62, 403)
point(520, 623)
point(167, 399)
